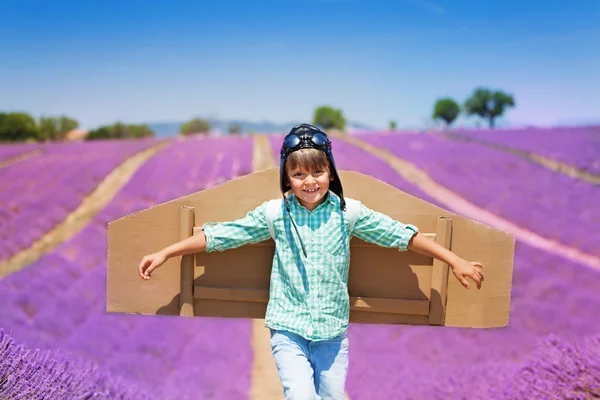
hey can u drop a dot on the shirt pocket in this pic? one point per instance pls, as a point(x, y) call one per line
point(334, 238)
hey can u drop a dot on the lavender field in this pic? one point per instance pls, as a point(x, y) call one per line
point(37, 194)
point(545, 202)
point(551, 349)
point(578, 147)
point(13, 150)
point(59, 301)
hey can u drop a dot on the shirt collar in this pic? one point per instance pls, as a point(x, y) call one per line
point(332, 198)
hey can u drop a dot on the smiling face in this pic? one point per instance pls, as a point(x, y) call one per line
point(308, 174)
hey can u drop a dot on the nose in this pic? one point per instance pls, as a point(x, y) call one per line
point(309, 179)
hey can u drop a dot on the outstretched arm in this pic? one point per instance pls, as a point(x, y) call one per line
point(215, 237)
point(461, 268)
point(374, 227)
point(193, 244)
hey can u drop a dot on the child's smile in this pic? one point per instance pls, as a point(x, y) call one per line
point(309, 188)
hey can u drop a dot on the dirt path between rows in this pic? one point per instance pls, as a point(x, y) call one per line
point(265, 383)
point(19, 158)
point(546, 162)
point(81, 216)
point(463, 207)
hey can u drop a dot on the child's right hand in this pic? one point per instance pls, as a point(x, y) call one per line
point(150, 263)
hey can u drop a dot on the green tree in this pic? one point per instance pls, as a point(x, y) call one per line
point(66, 124)
point(139, 131)
point(446, 109)
point(120, 130)
point(52, 128)
point(196, 125)
point(18, 126)
point(56, 128)
point(103, 132)
point(329, 117)
point(235, 128)
point(392, 125)
point(48, 128)
point(488, 104)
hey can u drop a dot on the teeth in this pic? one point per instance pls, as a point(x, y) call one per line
point(310, 191)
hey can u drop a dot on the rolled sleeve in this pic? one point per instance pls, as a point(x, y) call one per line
point(377, 228)
point(252, 228)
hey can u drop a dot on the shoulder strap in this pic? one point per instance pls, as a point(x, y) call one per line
point(273, 208)
point(352, 210)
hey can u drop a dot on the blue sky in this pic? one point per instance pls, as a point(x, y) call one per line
point(151, 61)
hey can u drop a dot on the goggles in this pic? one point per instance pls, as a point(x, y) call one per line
point(310, 139)
point(295, 141)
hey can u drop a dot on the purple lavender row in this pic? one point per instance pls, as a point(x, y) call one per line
point(577, 146)
point(16, 149)
point(542, 201)
point(37, 194)
point(44, 312)
point(558, 370)
point(28, 374)
point(192, 165)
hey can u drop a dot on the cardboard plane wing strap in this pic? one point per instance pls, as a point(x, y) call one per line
point(385, 286)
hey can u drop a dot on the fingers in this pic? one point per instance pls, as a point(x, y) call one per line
point(475, 274)
point(151, 268)
point(478, 274)
point(147, 265)
point(477, 278)
point(464, 282)
point(142, 267)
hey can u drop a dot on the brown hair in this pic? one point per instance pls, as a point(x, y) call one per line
point(308, 159)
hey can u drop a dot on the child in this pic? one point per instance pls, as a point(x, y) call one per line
point(308, 307)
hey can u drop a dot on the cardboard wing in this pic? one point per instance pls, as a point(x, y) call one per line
point(385, 286)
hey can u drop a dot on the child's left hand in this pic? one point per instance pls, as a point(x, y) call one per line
point(463, 268)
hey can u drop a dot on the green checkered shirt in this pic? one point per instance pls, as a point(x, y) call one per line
point(309, 295)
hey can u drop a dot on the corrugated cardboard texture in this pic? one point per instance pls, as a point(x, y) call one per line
point(386, 286)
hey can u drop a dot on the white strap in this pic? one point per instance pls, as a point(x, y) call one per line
point(352, 210)
point(273, 208)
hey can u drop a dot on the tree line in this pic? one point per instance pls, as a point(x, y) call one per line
point(119, 130)
point(202, 126)
point(19, 126)
point(485, 103)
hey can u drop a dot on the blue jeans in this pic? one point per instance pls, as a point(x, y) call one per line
point(311, 370)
